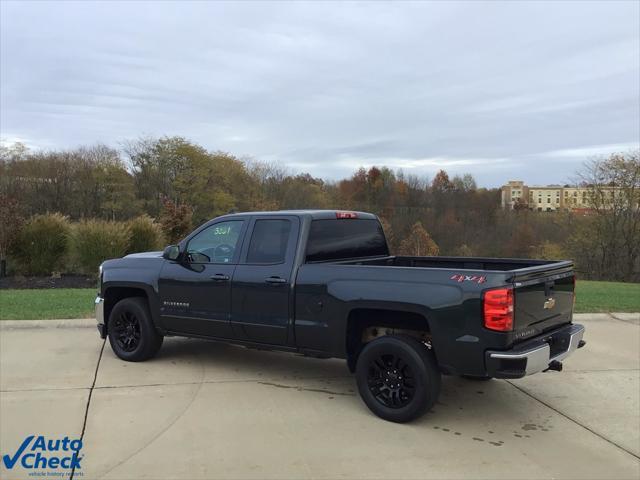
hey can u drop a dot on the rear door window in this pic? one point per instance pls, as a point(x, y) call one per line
point(345, 238)
point(269, 241)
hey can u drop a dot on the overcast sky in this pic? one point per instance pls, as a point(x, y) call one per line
point(501, 90)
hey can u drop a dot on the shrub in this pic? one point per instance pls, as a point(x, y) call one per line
point(41, 245)
point(146, 235)
point(94, 241)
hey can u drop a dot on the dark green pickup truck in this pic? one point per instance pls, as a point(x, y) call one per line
point(322, 283)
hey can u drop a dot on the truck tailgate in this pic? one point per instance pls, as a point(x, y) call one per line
point(543, 298)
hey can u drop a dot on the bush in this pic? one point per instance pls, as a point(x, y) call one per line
point(94, 241)
point(146, 235)
point(42, 244)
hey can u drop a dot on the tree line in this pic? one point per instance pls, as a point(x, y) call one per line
point(181, 184)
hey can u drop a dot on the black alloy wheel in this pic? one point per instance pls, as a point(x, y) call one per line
point(391, 381)
point(398, 377)
point(132, 333)
point(127, 331)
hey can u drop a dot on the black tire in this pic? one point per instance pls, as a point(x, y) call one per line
point(132, 335)
point(476, 379)
point(398, 378)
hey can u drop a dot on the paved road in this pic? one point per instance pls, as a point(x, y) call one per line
point(203, 410)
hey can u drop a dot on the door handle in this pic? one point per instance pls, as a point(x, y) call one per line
point(275, 280)
point(220, 277)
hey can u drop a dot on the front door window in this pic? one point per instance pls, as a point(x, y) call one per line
point(215, 244)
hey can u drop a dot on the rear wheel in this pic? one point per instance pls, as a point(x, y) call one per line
point(132, 335)
point(398, 378)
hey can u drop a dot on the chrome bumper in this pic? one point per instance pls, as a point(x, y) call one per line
point(536, 355)
point(100, 316)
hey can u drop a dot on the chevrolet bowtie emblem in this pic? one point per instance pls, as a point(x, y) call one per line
point(549, 303)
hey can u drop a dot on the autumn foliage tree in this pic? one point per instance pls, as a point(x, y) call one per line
point(175, 220)
point(418, 243)
point(441, 182)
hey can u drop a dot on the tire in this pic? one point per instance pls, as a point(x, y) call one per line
point(473, 378)
point(413, 384)
point(132, 334)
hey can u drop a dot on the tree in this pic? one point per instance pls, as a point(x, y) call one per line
point(212, 183)
point(614, 197)
point(15, 151)
point(157, 165)
point(548, 251)
point(175, 220)
point(76, 182)
point(464, 251)
point(418, 243)
point(10, 222)
point(441, 182)
point(118, 197)
point(388, 233)
point(521, 243)
point(520, 205)
point(466, 183)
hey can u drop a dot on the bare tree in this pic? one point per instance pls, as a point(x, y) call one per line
point(613, 185)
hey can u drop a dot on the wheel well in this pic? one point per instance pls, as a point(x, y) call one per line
point(114, 294)
point(367, 324)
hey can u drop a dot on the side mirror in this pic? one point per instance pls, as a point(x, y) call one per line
point(172, 252)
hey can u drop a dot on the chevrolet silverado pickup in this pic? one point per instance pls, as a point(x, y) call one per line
point(323, 283)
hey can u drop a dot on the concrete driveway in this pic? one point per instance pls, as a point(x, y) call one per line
point(204, 410)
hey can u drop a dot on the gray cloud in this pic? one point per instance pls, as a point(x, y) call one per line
point(501, 90)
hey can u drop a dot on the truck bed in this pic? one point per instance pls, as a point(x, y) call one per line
point(457, 263)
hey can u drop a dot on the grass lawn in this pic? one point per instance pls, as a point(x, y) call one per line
point(592, 297)
point(47, 303)
point(78, 302)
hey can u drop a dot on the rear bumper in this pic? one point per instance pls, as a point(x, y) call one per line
point(100, 316)
point(535, 355)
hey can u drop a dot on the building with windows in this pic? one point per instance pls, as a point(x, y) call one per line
point(550, 198)
point(545, 199)
point(513, 193)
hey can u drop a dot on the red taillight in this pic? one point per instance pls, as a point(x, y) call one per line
point(498, 309)
point(342, 215)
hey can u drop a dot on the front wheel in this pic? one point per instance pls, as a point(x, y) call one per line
point(398, 378)
point(132, 335)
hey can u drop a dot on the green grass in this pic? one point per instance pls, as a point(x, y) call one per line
point(592, 297)
point(47, 303)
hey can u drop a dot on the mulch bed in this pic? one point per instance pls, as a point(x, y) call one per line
point(63, 281)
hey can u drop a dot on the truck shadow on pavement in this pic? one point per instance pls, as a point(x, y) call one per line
point(491, 411)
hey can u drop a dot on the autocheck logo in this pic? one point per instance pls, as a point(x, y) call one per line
point(38, 452)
